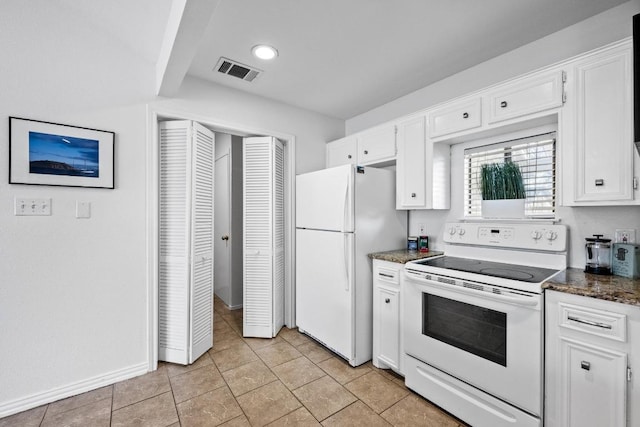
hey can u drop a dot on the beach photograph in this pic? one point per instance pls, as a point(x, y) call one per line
point(51, 154)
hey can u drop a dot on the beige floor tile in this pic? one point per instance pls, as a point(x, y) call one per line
point(248, 377)
point(31, 418)
point(267, 403)
point(221, 327)
point(324, 397)
point(294, 337)
point(240, 421)
point(298, 372)
point(341, 371)
point(233, 357)
point(376, 391)
point(96, 414)
point(357, 415)
point(298, 418)
point(314, 352)
point(414, 410)
point(158, 411)
point(140, 388)
point(225, 341)
point(80, 400)
point(209, 409)
point(195, 383)
point(278, 354)
point(258, 343)
point(174, 369)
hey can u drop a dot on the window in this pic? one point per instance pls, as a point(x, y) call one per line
point(536, 157)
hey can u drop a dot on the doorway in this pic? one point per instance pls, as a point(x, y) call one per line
point(157, 114)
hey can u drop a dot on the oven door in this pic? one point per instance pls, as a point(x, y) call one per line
point(492, 341)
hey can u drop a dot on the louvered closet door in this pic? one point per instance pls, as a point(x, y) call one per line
point(201, 292)
point(174, 240)
point(185, 305)
point(263, 249)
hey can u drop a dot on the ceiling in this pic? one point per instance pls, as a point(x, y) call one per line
point(339, 58)
point(342, 58)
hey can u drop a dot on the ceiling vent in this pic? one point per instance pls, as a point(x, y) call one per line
point(236, 69)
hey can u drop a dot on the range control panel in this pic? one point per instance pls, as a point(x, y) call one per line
point(546, 237)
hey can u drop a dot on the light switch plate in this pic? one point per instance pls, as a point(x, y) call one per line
point(28, 206)
point(625, 235)
point(83, 209)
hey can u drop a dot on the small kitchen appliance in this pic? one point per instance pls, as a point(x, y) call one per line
point(598, 255)
point(473, 321)
point(626, 260)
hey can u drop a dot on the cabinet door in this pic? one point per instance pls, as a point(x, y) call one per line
point(341, 152)
point(377, 145)
point(411, 165)
point(526, 96)
point(603, 138)
point(388, 309)
point(593, 386)
point(455, 117)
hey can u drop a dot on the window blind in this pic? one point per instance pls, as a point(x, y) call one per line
point(536, 157)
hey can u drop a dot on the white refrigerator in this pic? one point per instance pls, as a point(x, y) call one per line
point(343, 214)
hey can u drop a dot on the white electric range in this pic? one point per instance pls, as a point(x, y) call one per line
point(473, 321)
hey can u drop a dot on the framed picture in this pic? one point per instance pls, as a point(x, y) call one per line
point(43, 153)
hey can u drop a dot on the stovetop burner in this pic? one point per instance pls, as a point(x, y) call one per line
point(520, 273)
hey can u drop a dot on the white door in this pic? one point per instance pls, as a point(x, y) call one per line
point(324, 288)
point(263, 240)
point(222, 229)
point(324, 199)
point(185, 301)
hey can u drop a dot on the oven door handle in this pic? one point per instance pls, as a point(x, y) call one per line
point(512, 299)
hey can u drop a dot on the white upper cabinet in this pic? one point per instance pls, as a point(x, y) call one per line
point(596, 130)
point(377, 145)
point(525, 96)
point(455, 117)
point(422, 168)
point(342, 152)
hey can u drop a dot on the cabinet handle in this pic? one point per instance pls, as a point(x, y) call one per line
point(387, 300)
point(503, 104)
point(590, 323)
point(390, 276)
point(585, 365)
point(465, 115)
point(599, 182)
point(348, 156)
point(413, 194)
point(366, 152)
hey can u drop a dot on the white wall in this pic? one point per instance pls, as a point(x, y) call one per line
point(73, 293)
point(609, 26)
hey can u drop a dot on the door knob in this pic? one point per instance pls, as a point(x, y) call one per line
point(225, 237)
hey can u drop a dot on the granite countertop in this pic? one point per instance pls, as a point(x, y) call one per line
point(403, 256)
point(610, 288)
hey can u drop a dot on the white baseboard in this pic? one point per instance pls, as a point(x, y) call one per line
point(22, 404)
point(235, 307)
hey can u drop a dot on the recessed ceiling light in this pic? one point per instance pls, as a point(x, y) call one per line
point(265, 52)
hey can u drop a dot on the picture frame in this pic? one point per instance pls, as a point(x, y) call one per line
point(45, 153)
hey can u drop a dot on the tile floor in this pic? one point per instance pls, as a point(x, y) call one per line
point(286, 381)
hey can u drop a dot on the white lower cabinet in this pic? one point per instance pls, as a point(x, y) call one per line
point(387, 336)
point(591, 347)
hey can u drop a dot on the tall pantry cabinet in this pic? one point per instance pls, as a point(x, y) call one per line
point(185, 300)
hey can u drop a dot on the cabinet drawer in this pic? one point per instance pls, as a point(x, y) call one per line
point(388, 275)
point(593, 321)
point(525, 97)
point(455, 117)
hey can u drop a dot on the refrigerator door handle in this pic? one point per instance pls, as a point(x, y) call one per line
point(346, 260)
point(344, 208)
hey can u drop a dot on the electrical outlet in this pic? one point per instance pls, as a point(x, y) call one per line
point(625, 235)
point(423, 229)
